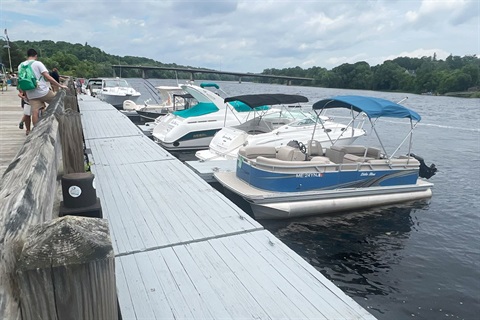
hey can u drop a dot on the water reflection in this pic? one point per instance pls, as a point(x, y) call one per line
point(353, 249)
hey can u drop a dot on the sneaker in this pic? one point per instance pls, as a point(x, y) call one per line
point(20, 125)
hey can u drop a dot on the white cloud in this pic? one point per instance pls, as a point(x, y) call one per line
point(249, 36)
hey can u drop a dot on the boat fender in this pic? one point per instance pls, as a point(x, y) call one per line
point(425, 171)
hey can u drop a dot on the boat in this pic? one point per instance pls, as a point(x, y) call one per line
point(112, 90)
point(194, 128)
point(173, 98)
point(93, 86)
point(277, 128)
point(291, 182)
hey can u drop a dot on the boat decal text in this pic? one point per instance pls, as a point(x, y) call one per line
point(309, 175)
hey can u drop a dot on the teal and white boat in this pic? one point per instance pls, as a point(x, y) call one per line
point(194, 128)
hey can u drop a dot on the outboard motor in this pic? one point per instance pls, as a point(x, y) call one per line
point(425, 171)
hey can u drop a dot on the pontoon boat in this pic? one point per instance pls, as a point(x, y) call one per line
point(291, 182)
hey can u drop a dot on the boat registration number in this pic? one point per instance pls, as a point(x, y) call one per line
point(309, 175)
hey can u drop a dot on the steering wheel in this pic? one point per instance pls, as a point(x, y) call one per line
point(302, 147)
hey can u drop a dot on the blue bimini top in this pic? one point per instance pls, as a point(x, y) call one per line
point(373, 107)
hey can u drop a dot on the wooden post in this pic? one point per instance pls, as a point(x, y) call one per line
point(71, 136)
point(71, 102)
point(67, 271)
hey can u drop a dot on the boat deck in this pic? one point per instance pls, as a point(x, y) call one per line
point(206, 169)
point(185, 251)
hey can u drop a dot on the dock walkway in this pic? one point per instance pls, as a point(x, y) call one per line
point(182, 249)
point(11, 137)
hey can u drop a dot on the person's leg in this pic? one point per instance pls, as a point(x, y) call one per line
point(27, 111)
point(48, 97)
point(36, 104)
point(28, 120)
point(22, 104)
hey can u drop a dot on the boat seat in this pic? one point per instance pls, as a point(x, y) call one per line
point(353, 149)
point(335, 154)
point(252, 152)
point(314, 148)
point(287, 153)
point(407, 163)
point(355, 153)
point(295, 166)
point(320, 159)
point(354, 158)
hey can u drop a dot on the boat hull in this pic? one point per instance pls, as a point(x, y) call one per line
point(193, 141)
point(151, 115)
point(315, 177)
point(117, 100)
point(283, 205)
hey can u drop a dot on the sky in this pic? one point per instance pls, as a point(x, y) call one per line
point(253, 35)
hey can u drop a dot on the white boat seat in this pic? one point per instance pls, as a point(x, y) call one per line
point(314, 148)
point(354, 158)
point(252, 152)
point(337, 153)
point(295, 166)
point(287, 153)
point(320, 159)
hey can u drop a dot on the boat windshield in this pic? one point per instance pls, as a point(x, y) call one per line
point(116, 83)
point(243, 107)
point(308, 119)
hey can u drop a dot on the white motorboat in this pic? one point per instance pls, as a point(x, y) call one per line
point(173, 98)
point(277, 129)
point(194, 128)
point(93, 86)
point(112, 90)
point(291, 182)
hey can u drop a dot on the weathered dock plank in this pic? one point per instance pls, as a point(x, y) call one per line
point(11, 137)
point(185, 251)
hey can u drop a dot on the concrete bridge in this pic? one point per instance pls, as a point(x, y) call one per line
point(193, 71)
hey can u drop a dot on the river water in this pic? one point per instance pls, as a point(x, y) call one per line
point(416, 260)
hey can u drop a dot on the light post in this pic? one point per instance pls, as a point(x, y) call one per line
point(8, 48)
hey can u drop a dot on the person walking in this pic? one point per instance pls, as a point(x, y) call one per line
point(27, 112)
point(56, 76)
point(42, 94)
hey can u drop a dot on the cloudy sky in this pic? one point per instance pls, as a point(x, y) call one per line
point(253, 35)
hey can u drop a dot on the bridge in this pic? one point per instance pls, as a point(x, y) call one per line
point(193, 71)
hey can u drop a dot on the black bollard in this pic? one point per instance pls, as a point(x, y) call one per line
point(80, 196)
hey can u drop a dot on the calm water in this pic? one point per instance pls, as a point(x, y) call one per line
point(418, 260)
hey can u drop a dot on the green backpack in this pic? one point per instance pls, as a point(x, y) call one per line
point(26, 77)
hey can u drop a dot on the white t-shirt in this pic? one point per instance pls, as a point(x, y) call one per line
point(43, 85)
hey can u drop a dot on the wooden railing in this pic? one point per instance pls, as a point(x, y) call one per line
point(34, 279)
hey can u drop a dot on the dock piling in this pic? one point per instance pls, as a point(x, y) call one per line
point(67, 271)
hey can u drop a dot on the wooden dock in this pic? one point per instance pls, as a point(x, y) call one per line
point(11, 137)
point(182, 249)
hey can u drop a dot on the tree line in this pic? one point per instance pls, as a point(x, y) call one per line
point(429, 75)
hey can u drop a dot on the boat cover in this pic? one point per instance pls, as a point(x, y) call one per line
point(257, 100)
point(373, 107)
point(208, 85)
point(199, 109)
